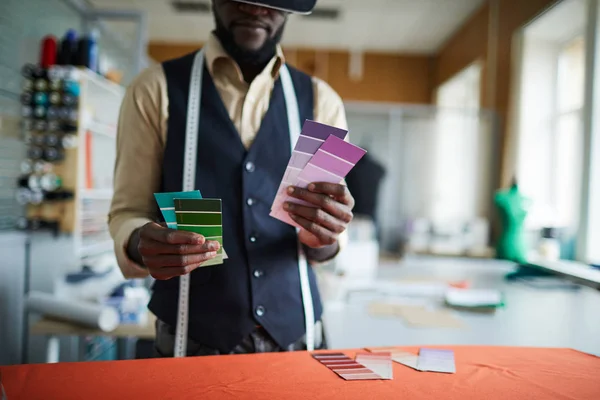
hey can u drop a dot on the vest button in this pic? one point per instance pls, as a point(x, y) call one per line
point(252, 239)
point(250, 167)
point(250, 201)
point(258, 273)
point(260, 311)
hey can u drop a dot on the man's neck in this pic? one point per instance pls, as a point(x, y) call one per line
point(251, 71)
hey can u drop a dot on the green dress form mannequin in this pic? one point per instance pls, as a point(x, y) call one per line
point(513, 207)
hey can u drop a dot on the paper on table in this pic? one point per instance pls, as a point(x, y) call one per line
point(379, 362)
point(202, 216)
point(406, 358)
point(399, 356)
point(434, 360)
point(417, 315)
point(474, 298)
point(345, 367)
point(331, 163)
point(424, 317)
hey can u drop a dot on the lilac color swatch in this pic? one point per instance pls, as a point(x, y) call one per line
point(332, 164)
point(299, 160)
point(321, 131)
point(291, 174)
point(435, 360)
point(308, 145)
point(343, 149)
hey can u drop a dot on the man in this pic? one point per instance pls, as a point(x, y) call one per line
point(253, 302)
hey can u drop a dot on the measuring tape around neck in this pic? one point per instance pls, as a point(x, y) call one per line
point(189, 180)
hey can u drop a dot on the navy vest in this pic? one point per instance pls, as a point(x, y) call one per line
point(259, 283)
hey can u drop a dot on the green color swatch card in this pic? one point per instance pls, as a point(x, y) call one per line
point(202, 216)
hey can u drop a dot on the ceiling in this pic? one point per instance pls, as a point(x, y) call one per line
point(408, 26)
point(561, 23)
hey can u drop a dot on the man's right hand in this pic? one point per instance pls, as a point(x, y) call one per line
point(168, 253)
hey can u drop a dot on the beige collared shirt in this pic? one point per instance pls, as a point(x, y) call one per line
point(142, 134)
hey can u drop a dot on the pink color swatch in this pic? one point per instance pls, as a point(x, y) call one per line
point(331, 163)
point(345, 367)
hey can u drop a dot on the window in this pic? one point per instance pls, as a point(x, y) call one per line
point(551, 134)
point(457, 142)
point(568, 138)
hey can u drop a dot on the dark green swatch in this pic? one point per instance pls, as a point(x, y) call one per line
point(210, 205)
point(202, 218)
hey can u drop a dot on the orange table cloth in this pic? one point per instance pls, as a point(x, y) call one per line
point(489, 373)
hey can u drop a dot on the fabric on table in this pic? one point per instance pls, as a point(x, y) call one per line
point(490, 373)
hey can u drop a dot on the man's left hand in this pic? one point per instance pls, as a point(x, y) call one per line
point(330, 215)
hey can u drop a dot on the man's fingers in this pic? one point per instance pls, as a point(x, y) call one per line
point(179, 261)
point(325, 236)
point(338, 191)
point(160, 234)
point(316, 215)
point(149, 247)
point(325, 202)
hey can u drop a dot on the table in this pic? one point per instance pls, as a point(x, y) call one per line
point(52, 329)
point(490, 373)
point(532, 316)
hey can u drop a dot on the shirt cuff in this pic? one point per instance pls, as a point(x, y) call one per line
point(129, 268)
point(342, 243)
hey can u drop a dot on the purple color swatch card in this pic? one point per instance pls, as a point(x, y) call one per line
point(312, 137)
point(435, 360)
point(331, 163)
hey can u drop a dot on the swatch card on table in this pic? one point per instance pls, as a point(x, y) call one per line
point(190, 212)
point(428, 360)
point(346, 367)
point(321, 155)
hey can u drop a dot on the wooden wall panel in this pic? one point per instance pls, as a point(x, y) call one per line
point(163, 51)
point(468, 45)
point(386, 77)
point(472, 42)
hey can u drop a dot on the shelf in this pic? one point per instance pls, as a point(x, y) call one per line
point(101, 82)
point(96, 194)
point(101, 129)
point(102, 246)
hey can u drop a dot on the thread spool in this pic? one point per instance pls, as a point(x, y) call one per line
point(54, 85)
point(35, 153)
point(55, 98)
point(52, 113)
point(56, 73)
point(27, 167)
point(28, 71)
point(41, 85)
point(39, 112)
point(40, 98)
point(40, 126)
point(26, 99)
point(26, 111)
point(49, 51)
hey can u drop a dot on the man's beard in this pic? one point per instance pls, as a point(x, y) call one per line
point(255, 58)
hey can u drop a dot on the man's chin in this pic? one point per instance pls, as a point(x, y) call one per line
point(250, 48)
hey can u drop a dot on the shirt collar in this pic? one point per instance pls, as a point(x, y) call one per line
point(215, 53)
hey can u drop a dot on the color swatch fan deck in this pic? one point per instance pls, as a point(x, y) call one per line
point(320, 155)
point(188, 211)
